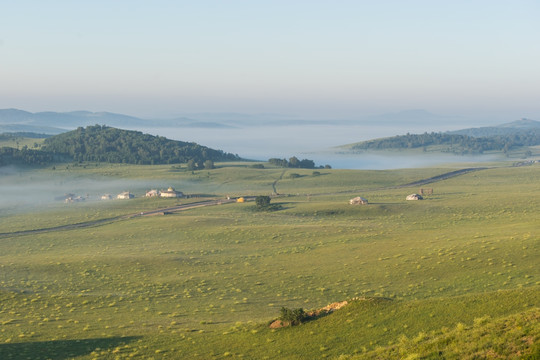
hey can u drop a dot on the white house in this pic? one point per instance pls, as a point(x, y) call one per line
point(125, 195)
point(358, 201)
point(152, 193)
point(171, 193)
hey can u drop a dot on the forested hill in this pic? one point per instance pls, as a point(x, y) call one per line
point(108, 144)
point(454, 143)
point(515, 127)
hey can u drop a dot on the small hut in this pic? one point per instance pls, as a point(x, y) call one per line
point(125, 195)
point(71, 199)
point(106, 197)
point(171, 193)
point(152, 193)
point(358, 201)
point(414, 197)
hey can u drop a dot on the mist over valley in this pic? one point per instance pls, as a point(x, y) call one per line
point(263, 136)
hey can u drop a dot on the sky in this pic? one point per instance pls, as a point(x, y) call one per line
point(314, 59)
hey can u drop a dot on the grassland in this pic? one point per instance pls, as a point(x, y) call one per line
point(204, 283)
point(19, 142)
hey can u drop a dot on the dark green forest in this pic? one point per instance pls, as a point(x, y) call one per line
point(458, 144)
point(108, 144)
point(25, 156)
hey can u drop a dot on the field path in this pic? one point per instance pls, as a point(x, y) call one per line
point(121, 217)
point(430, 180)
point(276, 181)
point(441, 177)
point(183, 207)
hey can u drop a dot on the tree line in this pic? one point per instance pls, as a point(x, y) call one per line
point(25, 156)
point(294, 162)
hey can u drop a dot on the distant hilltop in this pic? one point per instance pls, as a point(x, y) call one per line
point(517, 134)
point(52, 123)
point(101, 143)
point(514, 127)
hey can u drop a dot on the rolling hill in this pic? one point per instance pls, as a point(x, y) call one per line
point(521, 133)
point(107, 144)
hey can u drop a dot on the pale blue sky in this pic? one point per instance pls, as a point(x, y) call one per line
point(327, 59)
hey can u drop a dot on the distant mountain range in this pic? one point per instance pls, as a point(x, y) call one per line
point(52, 123)
point(14, 120)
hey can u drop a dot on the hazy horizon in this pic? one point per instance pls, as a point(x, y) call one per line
point(312, 60)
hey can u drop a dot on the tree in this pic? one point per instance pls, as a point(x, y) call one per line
point(278, 162)
point(306, 164)
point(294, 162)
point(262, 201)
point(208, 164)
point(192, 165)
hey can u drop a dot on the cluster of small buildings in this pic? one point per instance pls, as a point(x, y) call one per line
point(125, 195)
point(169, 193)
point(122, 196)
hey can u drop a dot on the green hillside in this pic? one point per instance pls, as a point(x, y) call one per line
point(108, 144)
point(454, 143)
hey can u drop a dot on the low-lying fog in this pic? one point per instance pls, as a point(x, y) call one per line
point(23, 189)
point(315, 142)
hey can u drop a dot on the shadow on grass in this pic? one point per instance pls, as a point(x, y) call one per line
point(60, 349)
point(197, 196)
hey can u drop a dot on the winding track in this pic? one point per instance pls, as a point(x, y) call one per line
point(117, 218)
point(441, 177)
point(212, 203)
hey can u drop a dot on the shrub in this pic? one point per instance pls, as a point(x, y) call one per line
point(292, 316)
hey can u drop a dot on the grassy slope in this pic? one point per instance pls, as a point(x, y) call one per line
point(20, 142)
point(512, 337)
point(204, 282)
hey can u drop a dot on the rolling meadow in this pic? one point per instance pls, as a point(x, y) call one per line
point(455, 275)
